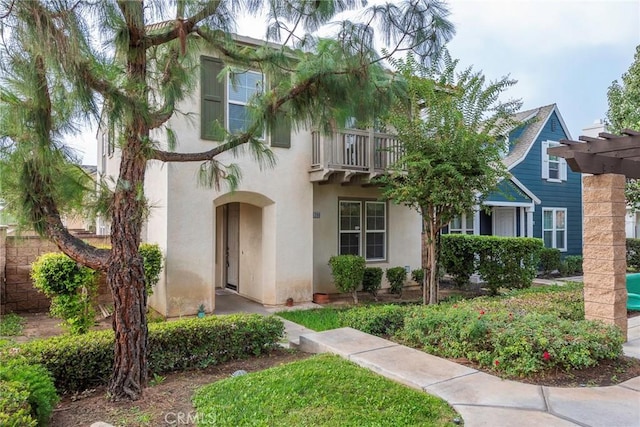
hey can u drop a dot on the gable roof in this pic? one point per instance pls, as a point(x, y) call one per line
point(536, 118)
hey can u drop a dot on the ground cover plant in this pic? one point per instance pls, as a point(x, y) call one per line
point(10, 324)
point(521, 334)
point(318, 319)
point(323, 390)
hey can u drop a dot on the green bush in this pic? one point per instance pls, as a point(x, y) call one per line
point(15, 410)
point(516, 345)
point(381, 320)
point(80, 362)
point(71, 287)
point(372, 281)
point(348, 272)
point(633, 254)
point(11, 324)
point(418, 276)
point(396, 277)
point(457, 256)
point(549, 260)
point(152, 260)
point(40, 392)
point(507, 262)
point(574, 264)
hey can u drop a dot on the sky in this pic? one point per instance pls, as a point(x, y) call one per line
point(566, 52)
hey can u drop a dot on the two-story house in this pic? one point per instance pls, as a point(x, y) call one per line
point(271, 238)
point(542, 198)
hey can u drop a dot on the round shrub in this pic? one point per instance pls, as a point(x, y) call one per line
point(347, 272)
point(71, 287)
point(55, 274)
point(372, 280)
point(396, 277)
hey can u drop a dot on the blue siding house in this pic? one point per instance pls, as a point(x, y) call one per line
point(542, 198)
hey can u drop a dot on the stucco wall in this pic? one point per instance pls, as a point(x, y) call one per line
point(403, 232)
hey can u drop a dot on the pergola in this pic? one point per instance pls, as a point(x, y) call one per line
point(609, 159)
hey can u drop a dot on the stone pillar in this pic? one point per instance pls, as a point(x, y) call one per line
point(604, 250)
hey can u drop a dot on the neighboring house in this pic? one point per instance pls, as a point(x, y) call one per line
point(632, 219)
point(543, 198)
point(272, 238)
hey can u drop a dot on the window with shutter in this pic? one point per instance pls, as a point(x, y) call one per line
point(212, 97)
point(554, 168)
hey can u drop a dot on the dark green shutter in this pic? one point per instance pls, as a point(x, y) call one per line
point(212, 97)
point(282, 133)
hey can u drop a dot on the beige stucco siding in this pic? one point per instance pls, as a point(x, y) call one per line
point(403, 232)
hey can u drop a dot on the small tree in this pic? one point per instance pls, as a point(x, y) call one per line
point(348, 272)
point(451, 132)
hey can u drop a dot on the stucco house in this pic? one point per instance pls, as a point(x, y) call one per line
point(271, 238)
point(542, 198)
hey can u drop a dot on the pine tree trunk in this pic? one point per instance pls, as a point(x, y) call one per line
point(125, 274)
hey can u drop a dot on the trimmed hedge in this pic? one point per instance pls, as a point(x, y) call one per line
point(15, 410)
point(348, 272)
point(457, 256)
point(550, 260)
point(78, 363)
point(502, 262)
point(396, 277)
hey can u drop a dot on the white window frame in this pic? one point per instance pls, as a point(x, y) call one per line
point(554, 227)
point(242, 103)
point(464, 226)
point(547, 160)
point(363, 229)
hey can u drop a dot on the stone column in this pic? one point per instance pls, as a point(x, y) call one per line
point(604, 249)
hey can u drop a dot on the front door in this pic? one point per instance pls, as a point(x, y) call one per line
point(504, 222)
point(232, 249)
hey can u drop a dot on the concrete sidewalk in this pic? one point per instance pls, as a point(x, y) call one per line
point(482, 399)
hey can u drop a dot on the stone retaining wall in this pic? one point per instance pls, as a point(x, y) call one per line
point(17, 293)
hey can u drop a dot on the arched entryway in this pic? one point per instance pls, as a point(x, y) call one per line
point(241, 245)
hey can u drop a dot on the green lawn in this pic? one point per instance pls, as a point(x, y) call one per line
point(317, 319)
point(323, 390)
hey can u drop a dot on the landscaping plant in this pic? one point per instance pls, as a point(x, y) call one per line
point(372, 281)
point(396, 277)
point(549, 260)
point(71, 287)
point(348, 273)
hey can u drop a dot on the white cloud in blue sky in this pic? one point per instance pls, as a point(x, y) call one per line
point(561, 51)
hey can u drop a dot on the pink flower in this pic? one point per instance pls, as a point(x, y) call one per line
point(546, 355)
point(496, 362)
point(481, 312)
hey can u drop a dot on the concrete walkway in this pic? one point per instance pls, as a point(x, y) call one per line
point(480, 398)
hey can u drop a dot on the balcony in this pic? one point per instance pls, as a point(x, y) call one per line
point(351, 156)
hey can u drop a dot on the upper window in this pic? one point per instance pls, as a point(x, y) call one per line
point(554, 168)
point(554, 228)
point(224, 103)
point(242, 87)
point(369, 241)
point(461, 224)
